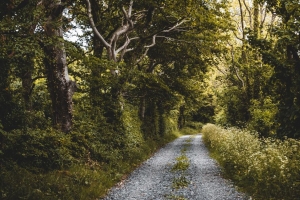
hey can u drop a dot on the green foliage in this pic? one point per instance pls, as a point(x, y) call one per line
point(84, 164)
point(263, 117)
point(189, 131)
point(37, 149)
point(182, 163)
point(110, 136)
point(175, 197)
point(180, 182)
point(194, 124)
point(266, 168)
point(78, 182)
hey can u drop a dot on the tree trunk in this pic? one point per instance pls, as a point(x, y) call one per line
point(142, 107)
point(27, 89)
point(60, 86)
point(181, 117)
point(5, 95)
point(256, 19)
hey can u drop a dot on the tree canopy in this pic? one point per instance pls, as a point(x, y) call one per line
point(103, 79)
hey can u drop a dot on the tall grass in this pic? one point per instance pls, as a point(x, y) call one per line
point(265, 168)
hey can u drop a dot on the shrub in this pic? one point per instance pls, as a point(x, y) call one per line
point(78, 182)
point(83, 164)
point(194, 125)
point(267, 168)
point(35, 148)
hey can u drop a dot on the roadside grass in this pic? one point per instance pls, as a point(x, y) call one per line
point(85, 164)
point(264, 168)
point(82, 179)
point(191, 128)
point(189, 131)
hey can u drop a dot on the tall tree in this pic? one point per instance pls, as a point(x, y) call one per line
point(284, 56)
point(60, 86)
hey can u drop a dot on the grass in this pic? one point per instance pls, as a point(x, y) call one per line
point(81, 165)
point(83, 179)
point(189, 131)
point(175, 197)
point(181, 164)
point(180, 182)
point(264, 168)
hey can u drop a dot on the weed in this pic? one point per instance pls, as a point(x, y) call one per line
point(175, 197)
point(183, 150)
point(181, 164)
point(180, 182)
point(188, 141)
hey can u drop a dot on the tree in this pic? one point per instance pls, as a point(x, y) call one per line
point(17, 52)
point(245, 76)
point(60, 86)
point(284, 56)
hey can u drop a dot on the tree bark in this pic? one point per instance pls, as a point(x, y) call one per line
point(181, 118)
point(27, 89)
point(256, 19)
point(142, 107)
point(60, 86)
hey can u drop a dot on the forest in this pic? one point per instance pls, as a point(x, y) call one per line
point(89, 89)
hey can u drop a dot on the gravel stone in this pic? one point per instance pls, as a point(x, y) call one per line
point(153, 179)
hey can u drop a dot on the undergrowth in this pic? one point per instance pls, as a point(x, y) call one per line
point(84, 164)
point(265, 168)
point(191, 128)
point(43, 163)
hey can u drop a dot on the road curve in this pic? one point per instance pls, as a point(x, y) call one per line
point(154, 179)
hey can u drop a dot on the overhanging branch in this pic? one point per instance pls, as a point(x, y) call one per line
point(106, 44)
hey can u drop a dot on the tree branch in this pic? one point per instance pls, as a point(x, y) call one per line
point(153, 42)
point(125, 45)
point(38, 77)
point(250, 13)
point(124, 29)
point(235, 69)
point(223, 72)
point(106, 44)
point(175, 26)
point(237, 37)
point(147, 47)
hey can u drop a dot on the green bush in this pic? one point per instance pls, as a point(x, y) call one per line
point(83, 164)
point(266, 168)
point(35, 148)
point(263, 117)
point(191, 128)
point(78, 182)
point(194, 125)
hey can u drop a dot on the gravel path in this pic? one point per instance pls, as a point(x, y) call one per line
point(153, 180)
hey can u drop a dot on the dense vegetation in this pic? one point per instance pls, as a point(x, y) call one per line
point(78, 115)
point(88, 89)
point(266, 168)
point(257, 84)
